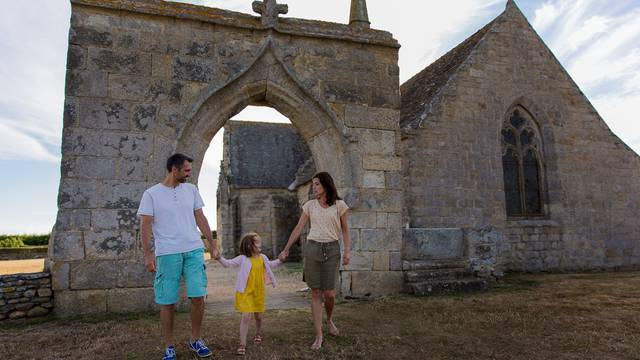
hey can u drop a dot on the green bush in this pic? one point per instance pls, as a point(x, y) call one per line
point(12, 242)
point(24, 240)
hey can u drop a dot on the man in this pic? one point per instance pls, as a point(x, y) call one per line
point(171, 210)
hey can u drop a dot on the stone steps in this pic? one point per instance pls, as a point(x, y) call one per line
point(446, 286)
point(440, 276)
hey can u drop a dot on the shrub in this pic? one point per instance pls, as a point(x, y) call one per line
point(11, 242)
point(36, 240)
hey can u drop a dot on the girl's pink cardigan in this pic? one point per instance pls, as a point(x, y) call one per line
point(245, 267)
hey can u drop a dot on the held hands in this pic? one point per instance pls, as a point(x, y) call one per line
point(215, 253)
point(283, 255)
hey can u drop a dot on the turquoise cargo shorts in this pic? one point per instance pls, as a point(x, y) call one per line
point(169, 270)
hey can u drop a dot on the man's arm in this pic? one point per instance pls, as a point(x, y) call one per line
point(203, 225)
point(145, 236)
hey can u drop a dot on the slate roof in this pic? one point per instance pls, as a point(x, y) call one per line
point(264, 155)
point(419, 92)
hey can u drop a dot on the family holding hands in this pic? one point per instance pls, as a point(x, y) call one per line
point(172, 209)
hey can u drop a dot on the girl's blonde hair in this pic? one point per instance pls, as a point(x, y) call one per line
point(247, 245)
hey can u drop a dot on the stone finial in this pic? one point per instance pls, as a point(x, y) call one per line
point(270, 10)
point(359, 16)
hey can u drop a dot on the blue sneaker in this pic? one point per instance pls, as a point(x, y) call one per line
point(169, 354)
point(200, 348)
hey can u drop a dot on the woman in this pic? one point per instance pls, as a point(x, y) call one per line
point(327, 214)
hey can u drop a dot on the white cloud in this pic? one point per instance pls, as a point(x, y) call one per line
point(17, 145)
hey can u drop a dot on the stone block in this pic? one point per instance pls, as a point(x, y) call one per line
point(194, 69)
point(45, 292)
point(382, 220)
point(131, 300)
point(24, 306)
point(394, 180)
point(144, 117)
point(89, 167)
point(376, 283)
point(109, 244)
point(362, 220)
point(105, 114)
point(17, 315)
point(385, 97)
point(37, 311)
point(345, 283)
point(161, 65)
point(80, 302)
point(132, 274)
point(86, 83)
point(80, 35)
point(381, 239)
point(373, 179)
point(121, 194)
point(360, 260)
point(165, 92)
point(29, 293)
point(381, 261)
point(77, 193)
point(93, 275)
point(128, 87)
point(380, 200)
point(115, 219)
point(76, 57)
point(72, 220)
point(119, 62)
point(371, 118)
point(395, 261)
point(60, 275)
point(432, 243)
point(376, 142)
point(132, 168)
point(346, 92)
point(382, 162)
point(70, 112)
point(67, 246)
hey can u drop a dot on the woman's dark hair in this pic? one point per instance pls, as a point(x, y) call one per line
point(247, 244)
point(177, 160)
point(329, 187)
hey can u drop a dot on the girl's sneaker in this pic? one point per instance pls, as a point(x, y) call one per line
point(169, 354)
point(200, 348)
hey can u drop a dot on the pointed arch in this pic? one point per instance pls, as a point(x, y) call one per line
point(523, 164)
point(268, 81)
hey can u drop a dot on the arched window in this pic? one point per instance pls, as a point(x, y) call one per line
point(522, 165)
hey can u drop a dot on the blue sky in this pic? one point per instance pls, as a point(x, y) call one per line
point(598, 42)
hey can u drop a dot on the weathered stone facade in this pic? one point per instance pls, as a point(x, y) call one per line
point(148, 78)
point(452, 117)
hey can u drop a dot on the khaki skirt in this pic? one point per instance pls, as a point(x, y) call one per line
point(321, 264)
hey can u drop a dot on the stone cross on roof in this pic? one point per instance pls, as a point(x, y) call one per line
point(270, 9)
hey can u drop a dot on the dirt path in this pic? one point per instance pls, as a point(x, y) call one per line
point(21, 266)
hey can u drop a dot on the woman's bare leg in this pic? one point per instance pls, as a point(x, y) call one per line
point(316, 312)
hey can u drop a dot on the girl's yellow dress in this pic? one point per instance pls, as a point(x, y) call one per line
point(252, 299)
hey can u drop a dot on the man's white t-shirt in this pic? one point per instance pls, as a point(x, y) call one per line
point(174, 223)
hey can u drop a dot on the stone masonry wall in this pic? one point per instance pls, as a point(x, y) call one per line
point(25, 295)
point(148, 78)
point(591, 179)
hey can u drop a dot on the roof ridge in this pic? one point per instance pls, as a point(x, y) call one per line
point(435, 76)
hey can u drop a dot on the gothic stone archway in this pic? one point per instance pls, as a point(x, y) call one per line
point(147, 78)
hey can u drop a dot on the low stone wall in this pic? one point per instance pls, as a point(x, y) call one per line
point(24, 253)
point(25, 295)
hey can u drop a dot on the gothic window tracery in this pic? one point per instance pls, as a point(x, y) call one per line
point(522, 166)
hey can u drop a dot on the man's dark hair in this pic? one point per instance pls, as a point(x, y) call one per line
point(177, 160)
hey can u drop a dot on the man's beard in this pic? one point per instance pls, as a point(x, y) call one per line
point(182, 180)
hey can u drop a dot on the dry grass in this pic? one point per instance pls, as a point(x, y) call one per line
point(576, 316)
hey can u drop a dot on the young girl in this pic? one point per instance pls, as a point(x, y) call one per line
point(253, 274)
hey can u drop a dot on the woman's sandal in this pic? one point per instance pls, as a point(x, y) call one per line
point(257, 339)
point(242, 349)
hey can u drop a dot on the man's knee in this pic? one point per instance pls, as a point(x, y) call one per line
point(316, 293)
point(197, 300)
point(329, 294)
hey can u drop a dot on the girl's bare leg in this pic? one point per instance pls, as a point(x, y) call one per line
point(244, 328)
point(258, 317)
